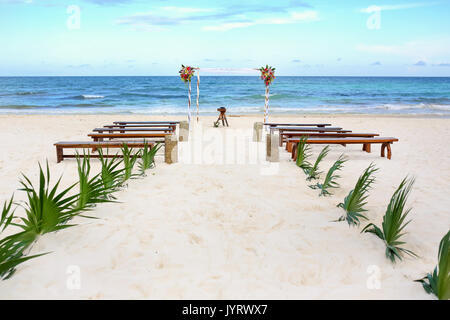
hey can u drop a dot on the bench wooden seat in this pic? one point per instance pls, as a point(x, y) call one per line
point(366, 142)
point(146, 122)
point(101, 136)
point(170, 125)
point(273, 124)
point(123, 130)
point(294, 137)
point(281, 130)
point(60, 146)
point(300, 128)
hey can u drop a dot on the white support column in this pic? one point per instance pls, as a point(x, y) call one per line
point(198, 91)
point(189, 103)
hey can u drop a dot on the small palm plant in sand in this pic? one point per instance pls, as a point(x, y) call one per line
point(394, 222)
point(438, 282)
point(111, 174)
point(148, 157)
point(355, 201)
point(331, 177)
point(129, 160)
point(47, 209)
point(91, 189)
point(313, 172)
point(303, 153)
point(12, 247)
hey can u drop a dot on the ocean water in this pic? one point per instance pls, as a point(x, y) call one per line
point(240, 94)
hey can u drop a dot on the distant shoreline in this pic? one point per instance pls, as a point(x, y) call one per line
point(213, 116)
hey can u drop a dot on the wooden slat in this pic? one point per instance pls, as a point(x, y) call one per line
point(127, 135)
point(326, 134)
point(99, 144)
point(146, 122)
point(273, 124)
point(350, 140)
point(172, 125)
point(306, 128)
point(163, 129)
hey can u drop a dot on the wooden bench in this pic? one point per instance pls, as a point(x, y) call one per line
point(101, 136)
point(281, 130)
point(366, 142)
point(123, 129)
point(273, 124)
point(146, 122)
point(173, 126)
point(294, 137)
point(60, 146)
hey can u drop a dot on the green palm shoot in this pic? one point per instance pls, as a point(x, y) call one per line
point(91, 189)
point(47, 209)
point(313, 172)
point(303, 153)
point(111, 175)
point(394, 223)
point(331, 177)
point(148, 157)
point(356, 200)
point(12, 247)
point(129, 160)
point(438, 282)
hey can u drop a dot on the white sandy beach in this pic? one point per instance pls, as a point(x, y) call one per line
point(233, 230)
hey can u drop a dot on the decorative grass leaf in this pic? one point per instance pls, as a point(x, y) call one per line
point(148, 157)
point(355, 201)
point(303, 153)
point(46, 210)
point(12, 247)
point(7, 214)
point(91, 190)
point(313, 172)
point(438, 282)
point(111, 175)
point(331, 177)
point(394, 222)
point(129, 160)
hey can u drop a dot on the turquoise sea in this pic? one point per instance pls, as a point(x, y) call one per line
point(240, 94)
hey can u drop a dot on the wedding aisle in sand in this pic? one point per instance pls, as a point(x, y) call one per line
point(223, 224)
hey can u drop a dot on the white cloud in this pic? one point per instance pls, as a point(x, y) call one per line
point(229, 26)
point(374, 8)
point(294, 17)
point(424, 49)
point(184, 10)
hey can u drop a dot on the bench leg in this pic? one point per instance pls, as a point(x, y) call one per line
point(294, 151)
point(389, 151)
point(366, 147)
point(281, 139)
point(59, 154)
point(383, 146)
point(289, 146)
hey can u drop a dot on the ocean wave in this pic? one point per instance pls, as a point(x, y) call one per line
point(399, 107)
point(152, 95)
point(87, 96)
point(20, 107)
point(23, 93)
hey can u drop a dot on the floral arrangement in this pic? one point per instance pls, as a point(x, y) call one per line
point(267, 74)
point(186, 73)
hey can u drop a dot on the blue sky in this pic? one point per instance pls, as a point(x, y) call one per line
point(311, 37)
